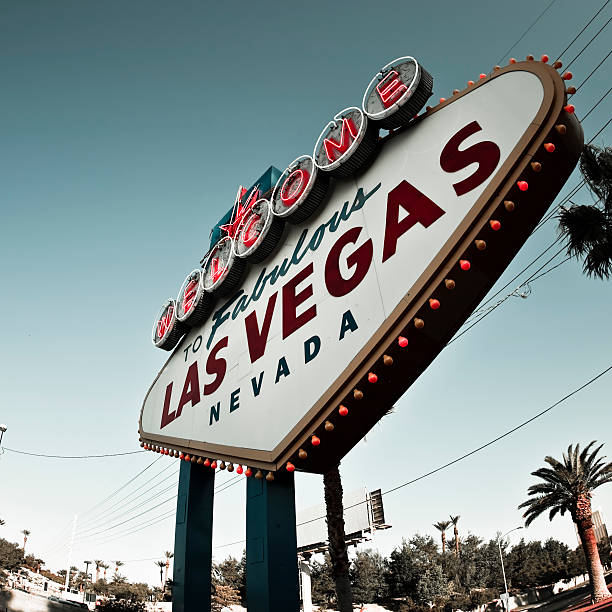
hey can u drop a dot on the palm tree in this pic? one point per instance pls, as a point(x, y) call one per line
point(169, 556)
point(454, 520)
point(567, 487)
point(104, 566)
point(332, 485)
point(118, 564)
point(99, 564)
point(1, 522)
point(87, 564)
point(26, 533)
point(161, 565)
point(442, 526)
point(588, 227)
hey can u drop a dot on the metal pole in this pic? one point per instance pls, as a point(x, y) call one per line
point(501, 558)
point(74, 523)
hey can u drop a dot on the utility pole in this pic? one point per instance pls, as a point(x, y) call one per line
point(74, 524)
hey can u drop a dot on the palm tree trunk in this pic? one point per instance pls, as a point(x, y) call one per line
point(599, 590)
point(456, 541)
point(337, 542)
point(166, 572)
point(443, 542)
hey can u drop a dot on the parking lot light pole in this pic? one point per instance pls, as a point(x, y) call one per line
point(501, 558)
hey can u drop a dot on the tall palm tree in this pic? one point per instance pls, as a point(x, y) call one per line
point(588, 227)
point(169, 556)
point(454, 520)
point(99, 564)
point(161, 565)
point(26, 533)
point(104, 566)
point(567, 487)
point(87, 564)
point(332, 485)
point(442, 526)
point(118, 564)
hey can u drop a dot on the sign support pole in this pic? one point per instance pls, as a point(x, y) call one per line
point(191, 589)
point(271, 549)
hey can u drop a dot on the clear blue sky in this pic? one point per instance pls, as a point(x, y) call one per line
point(126, 129)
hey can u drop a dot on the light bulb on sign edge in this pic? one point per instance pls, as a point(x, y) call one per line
point(495, 225)
point(230, 467)
point(329, 426)
point(512, 60)
point(290, 467)
point(207, 462)
point(372, 378)
point(470, 83)
point(449, 283)
point(482, 75)
point(536, 166)
point(315, 440)
point(402, 341)
point(561, 129)
point(357, 394)
point(434, 304)
point(387, 360)
point(570, 108)
point(522, 185)
point(558, 65)
point(481, 245)
point(259, 475)
point(248, 472)
point(270, 476)
point(568, 76)
point(239, 470)
point(343, 410)
point(530, 58)
point(549, 147)
point(302, 454)
point(419, 323)
point(509, 205)
point(464, 264)
point(544, 58)
point(213, 465)
point(571, 90)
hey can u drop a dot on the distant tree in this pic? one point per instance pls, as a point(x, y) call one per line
point(1, 522)
point(322, 582)
point(11, 555)
point(161, 565)
point(567, 487)
point(454, 520)
point(588, 227)
point(121, 605)
point(168, 554)
point(231, 572)
point(118, 564)
point(26, 533)
point(222, 597)
point(99, 563)
point(368, 577)
point(442, 526)
point(104, 566)
point(408, 562)
point(432, 586)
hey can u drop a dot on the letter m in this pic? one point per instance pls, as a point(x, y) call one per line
point(334, 149)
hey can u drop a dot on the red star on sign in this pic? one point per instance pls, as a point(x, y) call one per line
point(240, 210)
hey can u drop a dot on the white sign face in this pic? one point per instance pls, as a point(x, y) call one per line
point(265, 357)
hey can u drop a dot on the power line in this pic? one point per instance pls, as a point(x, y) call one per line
point(499, 61)
point(598, 103)
point(593, 71)
point(20, 452)
point(603, 6)
point(590, 41)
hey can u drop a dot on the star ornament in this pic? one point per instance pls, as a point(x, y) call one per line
point(240, 210)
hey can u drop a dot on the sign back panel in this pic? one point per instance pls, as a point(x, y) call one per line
point(308, 345)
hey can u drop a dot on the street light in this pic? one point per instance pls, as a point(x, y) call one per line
point(501, 558)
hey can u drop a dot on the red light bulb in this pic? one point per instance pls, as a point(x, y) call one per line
point(343, 410)
point(181, 456)
point(239, 470)
point(315, 441)
point(512, 60)
point(372, 377)
point(567, 76)
point(570, 108)
point(442, 100)
point(549, 147)
point(465, 264)
point(207, 462)
point(470, 83)
point(187, 458)
point(290, 467)
point(434, 304)
point(403, 342)
point(248, 472)
point(523, 185)
point(483, 75)
point(495, 225)
point(545, 58)
point(213, 465)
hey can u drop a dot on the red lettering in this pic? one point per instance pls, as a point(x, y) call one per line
point(216, 366)
point(189, 295)
point(334, 149)
point(215, 269)
point(390, 88)
point(486, 154)
point(291, 300)
point(359, 259)
point(250, 233)
point(167, 416)
point(420, 208)
point(294, 186)
point(164, 323)
point(191, 388)
point(257, 339)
